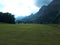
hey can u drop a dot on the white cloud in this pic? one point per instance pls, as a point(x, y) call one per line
point(18, 7)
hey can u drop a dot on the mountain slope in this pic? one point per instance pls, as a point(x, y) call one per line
point(47, 14)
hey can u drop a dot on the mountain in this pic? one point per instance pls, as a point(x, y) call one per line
point(28, 19)
point(47, 14)
point(19, 18)
point(52, 13)
point(35, 18)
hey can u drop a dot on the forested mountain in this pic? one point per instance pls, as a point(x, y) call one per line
point(52, 13)
point(47, 14)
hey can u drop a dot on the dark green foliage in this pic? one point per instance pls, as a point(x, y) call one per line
point(7, 18)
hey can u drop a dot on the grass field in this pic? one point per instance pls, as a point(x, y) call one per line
point(29, 34)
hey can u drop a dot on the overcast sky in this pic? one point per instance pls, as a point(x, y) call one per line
point(21, 7)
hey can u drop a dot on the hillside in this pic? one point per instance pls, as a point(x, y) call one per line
point(52, 13)
point(47, 14)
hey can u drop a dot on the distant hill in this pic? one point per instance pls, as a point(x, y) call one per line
point(19, 18)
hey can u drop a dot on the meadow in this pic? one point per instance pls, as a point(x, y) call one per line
point(29, 34)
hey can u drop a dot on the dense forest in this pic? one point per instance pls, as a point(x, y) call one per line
point(47, 14)
point(7, 18)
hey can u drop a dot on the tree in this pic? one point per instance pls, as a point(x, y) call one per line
point(7, 18)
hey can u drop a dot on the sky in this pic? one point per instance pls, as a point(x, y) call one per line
point(21, 7)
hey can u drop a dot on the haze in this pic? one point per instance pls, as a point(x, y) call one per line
point(20, 7)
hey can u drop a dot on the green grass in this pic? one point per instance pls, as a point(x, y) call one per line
point(29, 34)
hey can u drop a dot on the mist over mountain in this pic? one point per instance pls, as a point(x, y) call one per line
point(47, 14)
point(39, 3)
point(19, 18)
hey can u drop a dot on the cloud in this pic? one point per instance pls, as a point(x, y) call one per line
point(40, 3)
point(18, 7)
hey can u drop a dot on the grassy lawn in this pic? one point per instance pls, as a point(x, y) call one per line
point(29, 34)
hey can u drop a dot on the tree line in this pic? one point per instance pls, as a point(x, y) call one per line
point(7, 18)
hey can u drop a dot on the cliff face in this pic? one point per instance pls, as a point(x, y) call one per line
point(52, 13)
point(54, 5)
